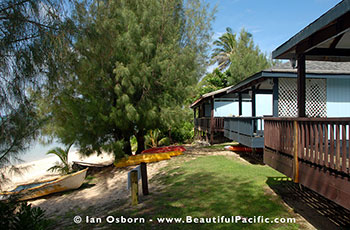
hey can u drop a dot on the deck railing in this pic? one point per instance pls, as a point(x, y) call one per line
point(248, 131)
point(323, 142)
point(250, 126)
point(203, 124)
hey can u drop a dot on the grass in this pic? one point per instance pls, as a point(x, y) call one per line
point(209, 186)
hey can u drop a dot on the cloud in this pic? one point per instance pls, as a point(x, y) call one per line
point(216, 35)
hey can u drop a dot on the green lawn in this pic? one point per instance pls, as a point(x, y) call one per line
point(209, 186)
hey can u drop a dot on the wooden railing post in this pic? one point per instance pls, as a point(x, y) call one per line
point(134, 188)
point(296, 147)
point(212, 122)
point(144, 178)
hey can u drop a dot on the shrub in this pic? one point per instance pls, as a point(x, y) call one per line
point(182, 133)
point(21, 216)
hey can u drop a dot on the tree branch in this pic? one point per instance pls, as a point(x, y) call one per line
point(13, 5)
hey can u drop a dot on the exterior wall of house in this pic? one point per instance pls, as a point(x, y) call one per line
point(264, 105)
point(229, 107)
point(338, 97)
point(225, 107)
point(207, 110)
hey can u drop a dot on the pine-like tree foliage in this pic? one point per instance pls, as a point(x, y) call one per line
point(239, 55)
point(213, 81)
point(247, 60)
point(132, 63)
point(28, 29)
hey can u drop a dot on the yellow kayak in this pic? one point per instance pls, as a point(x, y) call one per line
point(146, 158)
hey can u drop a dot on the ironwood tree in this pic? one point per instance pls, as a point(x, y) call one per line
point(28, 31)
point(131, 65)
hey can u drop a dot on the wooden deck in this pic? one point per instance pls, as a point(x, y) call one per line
point(204, 124)
point(212, 129)
point(248, 131)
point(312, 151)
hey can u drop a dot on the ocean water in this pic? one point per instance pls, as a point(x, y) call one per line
point(38, 151)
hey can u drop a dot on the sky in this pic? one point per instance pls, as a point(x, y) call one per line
point(271, 22)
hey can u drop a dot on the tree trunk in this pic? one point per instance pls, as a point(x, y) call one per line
point(140, 137)
point(127, 147)
point(170, 139)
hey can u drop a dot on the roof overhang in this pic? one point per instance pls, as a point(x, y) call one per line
point(326, 39)
point(270, 74)
point(217, 93)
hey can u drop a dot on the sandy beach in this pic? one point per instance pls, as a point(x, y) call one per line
point(37, 170)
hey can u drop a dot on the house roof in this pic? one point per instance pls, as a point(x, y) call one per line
point(325, 39)
point(207, 95)
point(314, 69)
point(317, 67)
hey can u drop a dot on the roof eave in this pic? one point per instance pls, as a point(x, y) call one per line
point(288, 49)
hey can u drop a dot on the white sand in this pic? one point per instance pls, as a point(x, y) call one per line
point(37, 170)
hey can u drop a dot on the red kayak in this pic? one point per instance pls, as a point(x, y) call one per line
point(164, 149)
point(243, 149)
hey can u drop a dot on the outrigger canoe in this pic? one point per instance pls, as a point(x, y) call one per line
point(43, 188)
point(150, 155)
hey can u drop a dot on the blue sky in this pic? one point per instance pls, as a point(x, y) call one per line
point(272, 22)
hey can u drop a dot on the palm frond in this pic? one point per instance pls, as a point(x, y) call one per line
point(225, 47)
point(63, 155)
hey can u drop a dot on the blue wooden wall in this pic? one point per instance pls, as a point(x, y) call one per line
point(338, 97)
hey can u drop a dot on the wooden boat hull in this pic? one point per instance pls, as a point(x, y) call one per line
point(43, 188)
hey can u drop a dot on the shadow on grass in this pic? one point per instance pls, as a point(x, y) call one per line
point(253, 158)
point(204, 195)
point(316, 209)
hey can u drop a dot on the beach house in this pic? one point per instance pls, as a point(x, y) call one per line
point(311, 149)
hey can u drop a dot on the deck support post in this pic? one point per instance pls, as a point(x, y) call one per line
point(134, 188)
point(275, 97)
point(253, 102)
point(144, 178)
point(212, 121)
point(240, 104)
point(295, 153)
point(301, 82)
point(194, 121)
point(254, 107)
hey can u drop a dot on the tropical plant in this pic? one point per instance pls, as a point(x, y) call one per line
point(21, 215)
point(213, 81)
point(183, 133)
point(63, 166)
point(153, 139)
point(239, 55)
point(225, 47)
